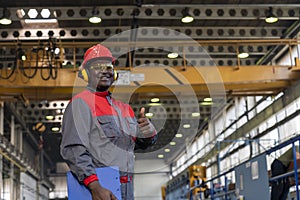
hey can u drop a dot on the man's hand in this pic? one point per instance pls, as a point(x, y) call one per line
point(100, 193)
point(145, 126)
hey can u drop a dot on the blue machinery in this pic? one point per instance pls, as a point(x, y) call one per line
point(252, 180)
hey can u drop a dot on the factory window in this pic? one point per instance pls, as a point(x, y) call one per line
point(242, 121)
point(230, 116)
point(281, 115)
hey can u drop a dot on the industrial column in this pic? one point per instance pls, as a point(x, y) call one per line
point(12, 175)
point(1, 135)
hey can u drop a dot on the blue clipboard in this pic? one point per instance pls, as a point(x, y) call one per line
point(109, 177)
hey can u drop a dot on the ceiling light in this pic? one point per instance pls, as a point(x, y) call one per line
point(40, 21)
point(172, 143)
point(21, 54)
point(56, 51)
point(167, 150)
point(160, 155)
point(5, 21)
point(206, 103)
point(154, 100)
point(55, 129)
point(178, 135)
point(32, 13)
point(271, 18)
point(5, 18)
point(154, 104)
point(23, 57)
point(49, 117)
point(45, 13)
point(187, 18)
point(149, 114)
point(195, 114)
point(186, 126)
point(94, 19)
point(172, 55)
point(243, 55)
point(207, 99)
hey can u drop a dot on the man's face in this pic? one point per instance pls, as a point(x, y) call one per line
point(101, 74)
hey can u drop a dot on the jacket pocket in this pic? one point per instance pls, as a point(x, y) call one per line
point(109, 127)
point(132, 127)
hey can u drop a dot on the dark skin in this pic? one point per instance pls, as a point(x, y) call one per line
point(101, 81)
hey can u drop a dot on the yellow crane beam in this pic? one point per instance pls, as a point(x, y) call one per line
point(242, 80)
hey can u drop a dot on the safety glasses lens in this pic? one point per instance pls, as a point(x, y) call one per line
point(103, 67)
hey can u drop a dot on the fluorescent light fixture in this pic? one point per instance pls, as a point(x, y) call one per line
point(172, 55)
point(186, 126)
point(243, 55)
point(95, 19)
point(206, 103)
point(5, 21)
point(49, 117)
point(195, 114)
point(32, 13)
point(55, 129)
point(207, 99)
point(40, 21)
point(160, 155)
point(187, 19)
point(154, 100)
point(5, 18)
point(154, 104)
point(178, 135)
point(172, 143)
point(271, 18)
point(149, 114)
point(167, 150)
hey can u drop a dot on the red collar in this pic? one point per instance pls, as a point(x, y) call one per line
point(101, 94)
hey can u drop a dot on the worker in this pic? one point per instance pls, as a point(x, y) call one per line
point(99, 131)
point(280, 188)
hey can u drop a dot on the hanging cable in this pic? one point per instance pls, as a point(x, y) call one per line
point(54, 59)
point(46, 63)
point(46, 68)
point(7, 69)
point(26, 63)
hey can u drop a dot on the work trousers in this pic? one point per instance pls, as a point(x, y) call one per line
point(127, 191)
point(280, 187)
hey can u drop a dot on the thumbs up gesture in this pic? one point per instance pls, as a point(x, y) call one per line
point(146, 128)
point(142, 113)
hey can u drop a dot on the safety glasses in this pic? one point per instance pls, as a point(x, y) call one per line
point(102, 67)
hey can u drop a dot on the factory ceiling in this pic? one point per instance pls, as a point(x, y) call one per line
point(140, 35)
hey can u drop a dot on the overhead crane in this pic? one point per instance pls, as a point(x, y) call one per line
point(187, 80)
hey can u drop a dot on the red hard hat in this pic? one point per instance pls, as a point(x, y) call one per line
point(97, 51)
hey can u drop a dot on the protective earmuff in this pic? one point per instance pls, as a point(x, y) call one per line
point(84, 74)
point(116, 75)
